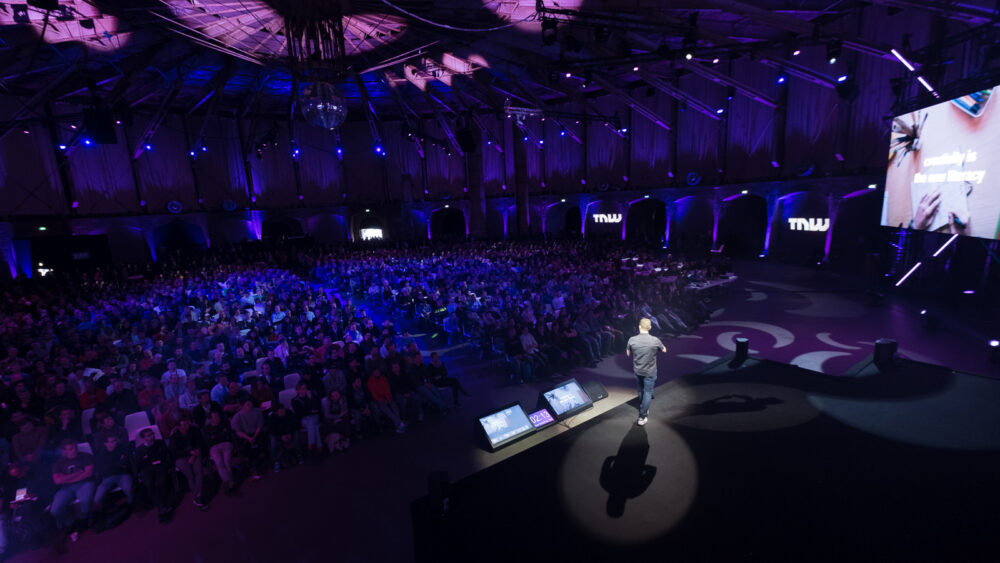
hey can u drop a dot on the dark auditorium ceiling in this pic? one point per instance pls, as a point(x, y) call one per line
point(411, 55)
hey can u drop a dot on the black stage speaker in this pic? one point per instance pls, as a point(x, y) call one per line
point(596, 390)
point(99, 124)
point(885, 353)
point(44, 4)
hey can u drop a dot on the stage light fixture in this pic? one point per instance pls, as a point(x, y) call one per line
point(720, 111)
point(833, 51)
point(796, 53)
point(26, 132)
point(994, 343)
point(62, 147)
point(715, 61)
point(43, 228)
point(872, 186)
point(191, 154)
point(204, 148)
point(842, 78)
point(569, 75)
point(782, 78)
point(147, 147)
point(87, 142)
point(562, 133)
point(969, 292)
point(635, 68)
point(689, 56)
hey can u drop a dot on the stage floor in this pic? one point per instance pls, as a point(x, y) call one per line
point(766, 462)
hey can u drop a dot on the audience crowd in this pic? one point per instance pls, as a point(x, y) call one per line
point(203, 371)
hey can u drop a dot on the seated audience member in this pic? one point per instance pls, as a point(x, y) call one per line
point(248, 424)
point(403, 392)
point(92, 395)
point(61, 398)
point(206, 406)
point(73, 475)
point(106, 427)
point(221, 389)
point(359, 403)
point(67, 426)
point(152, 464)
point(307, 407)
point(188, 448)
point(422, 386)
point(113, 468)
point(261, 392)
point(173, 373)
point(382, 402)
point(336, 422)
point(438, 374)
point(283, 426)
point(30, 441)
point(174, 387)
point(122, 401)
point(219, 440)
point(188, 400)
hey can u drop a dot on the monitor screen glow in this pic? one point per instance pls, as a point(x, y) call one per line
point(506, 425)
point(541, 418)
point(568, 398)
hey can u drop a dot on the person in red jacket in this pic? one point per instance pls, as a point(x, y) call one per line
point(378, 386)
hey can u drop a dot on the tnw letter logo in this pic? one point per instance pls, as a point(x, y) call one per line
point(607, 217)
point(811, 224)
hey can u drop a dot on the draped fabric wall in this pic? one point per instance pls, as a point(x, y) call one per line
point(28, 173)
point(753, 126)
point(363, 168)
point(405, 160)
point(165, 172)
point(220, 170)
point(102, 178)
point(651, 144)
point(319, 165)
point(445, 174)
point(813, 118)
point(563, 155)
point(493, 161)
point(605, 149)
point(274, 179)
point(698, 139)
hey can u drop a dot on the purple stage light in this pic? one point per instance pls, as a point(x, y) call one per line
point(62, 147)
point(774, 163)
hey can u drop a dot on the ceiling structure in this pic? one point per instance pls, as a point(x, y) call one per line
point(412, 56)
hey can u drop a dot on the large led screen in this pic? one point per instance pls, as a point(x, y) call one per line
point(943, 174)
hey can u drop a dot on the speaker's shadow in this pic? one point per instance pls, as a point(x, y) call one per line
point(626, 475)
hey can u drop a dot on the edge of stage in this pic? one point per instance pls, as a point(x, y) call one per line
point(758, 462)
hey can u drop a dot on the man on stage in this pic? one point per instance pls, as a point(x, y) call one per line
point(642, 348)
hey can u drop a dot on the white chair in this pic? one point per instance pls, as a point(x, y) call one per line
point(260, 361)
point(291, 380)
point(85, 418)
point(84, 447)
point(285, 397)
point(134, 422)
point(156, 432)
point(247, 374)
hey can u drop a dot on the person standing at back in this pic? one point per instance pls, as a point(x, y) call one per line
point(642, 348)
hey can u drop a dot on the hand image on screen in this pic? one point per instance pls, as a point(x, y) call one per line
point(926, 209)
point(958, 223)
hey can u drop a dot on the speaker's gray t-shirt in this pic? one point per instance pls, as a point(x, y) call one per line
point(643, 348)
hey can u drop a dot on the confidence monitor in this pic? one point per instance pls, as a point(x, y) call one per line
point(942, 173)
point(567, 399)
point(505, 425)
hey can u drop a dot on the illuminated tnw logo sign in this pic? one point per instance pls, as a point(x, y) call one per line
point(811, 224)
point(607, 217)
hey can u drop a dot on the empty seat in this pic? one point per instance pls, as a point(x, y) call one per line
point(285, 397)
